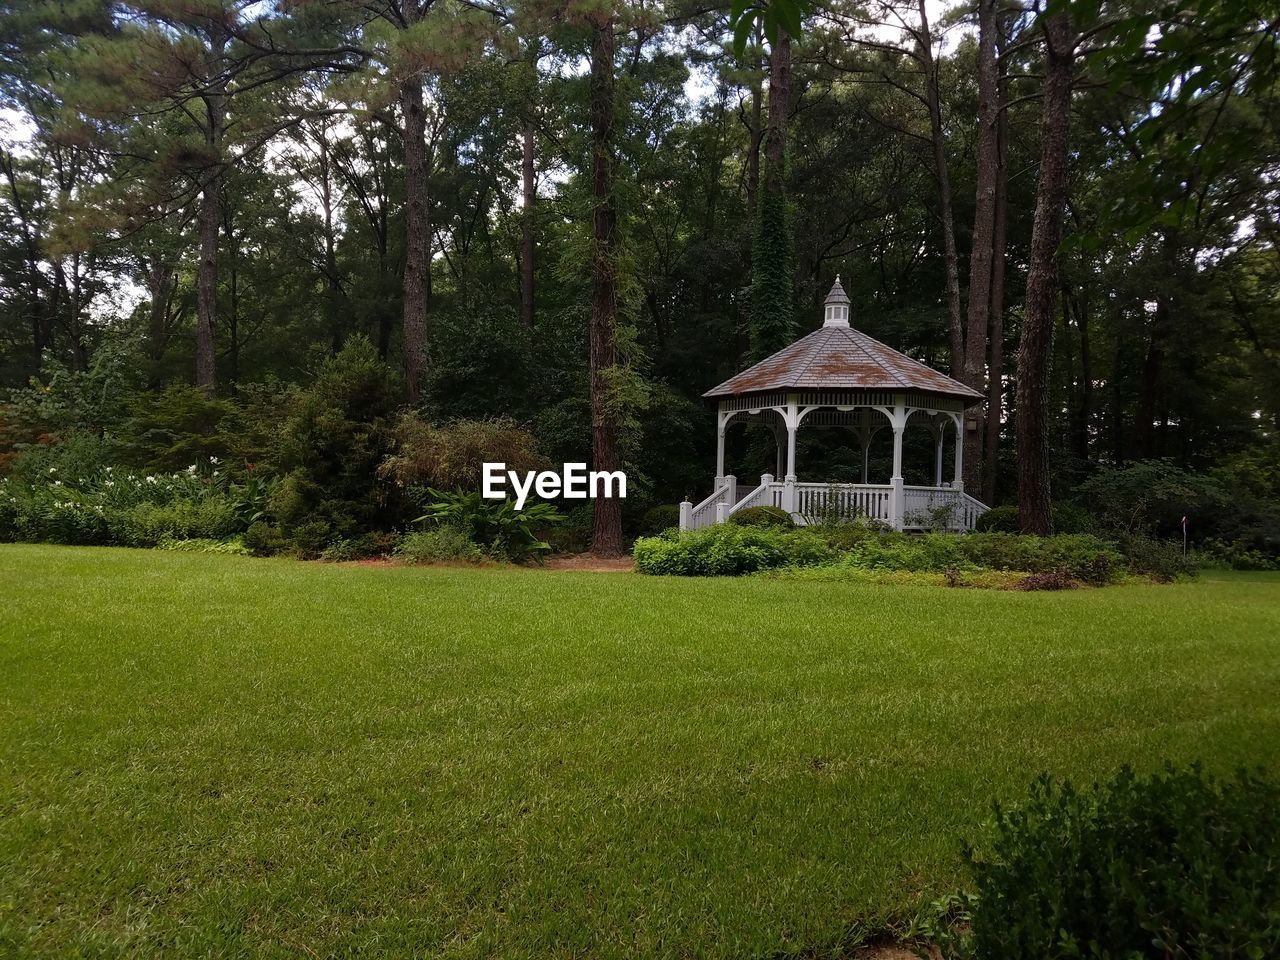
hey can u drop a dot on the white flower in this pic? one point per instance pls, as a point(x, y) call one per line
point(53, 469)
point(191, 469)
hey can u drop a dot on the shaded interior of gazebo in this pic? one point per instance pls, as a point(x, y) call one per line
point(838, 377)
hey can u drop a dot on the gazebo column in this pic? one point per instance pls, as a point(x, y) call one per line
point(958, 420)
point(939, 434)
point(897, 502)
point(720, 428)
point(792, 419)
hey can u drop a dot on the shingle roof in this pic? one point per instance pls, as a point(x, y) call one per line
point(841, 358)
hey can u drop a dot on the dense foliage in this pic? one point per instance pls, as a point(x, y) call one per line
point(1179, 864)
point(252, 203)
point(731, 549)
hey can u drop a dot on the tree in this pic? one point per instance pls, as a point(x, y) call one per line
point(606, 534)
point(1042, 278)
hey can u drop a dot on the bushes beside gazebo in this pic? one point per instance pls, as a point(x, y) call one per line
point(730, 549)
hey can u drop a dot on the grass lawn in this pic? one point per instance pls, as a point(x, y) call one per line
point(219, 756)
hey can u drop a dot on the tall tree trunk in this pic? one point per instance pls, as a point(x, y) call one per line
point(209, 217)
point(995, 338)
point(528, 245)
point(417, 234)
point(161, 284)
point(1084, 415)
point(1042, 280)
point(742, 324)
point(942, 176)
point(772, 257)
point(606, 535)
point(984, 217)
point(207, 280)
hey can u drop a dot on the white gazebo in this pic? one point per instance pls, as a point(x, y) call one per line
point(838, 376)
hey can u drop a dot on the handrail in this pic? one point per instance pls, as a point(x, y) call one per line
point(750, 500)
point(704, 514)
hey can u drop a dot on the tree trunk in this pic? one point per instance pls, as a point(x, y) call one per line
point(984, 216)
point(772, 258)
point(207, 280)
point(161, 284)
point(995, 340)
point(528, 246)
point(209, 217)
point(1042, 281)
point(417, 235)
point(942, 176)
point(606, 535)
point(1085, 412)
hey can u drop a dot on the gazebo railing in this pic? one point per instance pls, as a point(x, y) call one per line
point(939, 508)
point(704, 514)
point(923, 508)
point(843, 501)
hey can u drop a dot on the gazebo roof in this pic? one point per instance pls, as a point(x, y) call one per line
point(838, 357)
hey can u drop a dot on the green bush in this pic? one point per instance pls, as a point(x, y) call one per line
point(1084, 557)
point(147, 524)
point(441, 544)
point(1160, 559)
point(659, 518)
point(999, 520)
point(1175, 865)
point(762, 517)
point(1067, 518)
point(367, 546)
point(496, 526)
point(231, 547)
point(726, 550)
point(1229, 555)
point(264, 539)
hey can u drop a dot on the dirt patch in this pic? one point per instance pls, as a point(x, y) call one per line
point(892, 952)
point(587, 563)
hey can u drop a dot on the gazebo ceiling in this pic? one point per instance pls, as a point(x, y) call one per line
point(838, 357)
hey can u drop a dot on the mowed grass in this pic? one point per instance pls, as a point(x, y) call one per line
point(218, 756)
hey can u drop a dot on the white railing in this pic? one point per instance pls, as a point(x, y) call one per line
point(940, 508)
point(704, 514)
point(923, 508)
point(845, 501)
point(758, 497)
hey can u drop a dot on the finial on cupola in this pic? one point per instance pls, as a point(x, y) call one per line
point(837, 306)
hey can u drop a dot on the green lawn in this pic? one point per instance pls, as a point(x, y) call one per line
point(219, 756)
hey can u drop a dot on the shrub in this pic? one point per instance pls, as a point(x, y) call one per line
point(1084, 557)
point(264, 539)
point(1230, 555)
point(1160, 559)
point(1150, 497)
point(146, 524)
point(761, 517)
point(497, 527)
point(726, 550)
point(334, 438)
point(364, 547)
point(1067, 518)
point(440, 544)
point(999, 519)
point(451, 456)
point(231, 547)
point(659, 518)
point(1175, 865)
point(1058, 579)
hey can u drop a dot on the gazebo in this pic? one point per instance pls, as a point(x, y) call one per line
point(838, 376)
